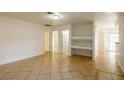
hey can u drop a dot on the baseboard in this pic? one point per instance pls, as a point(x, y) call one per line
point(20, 59)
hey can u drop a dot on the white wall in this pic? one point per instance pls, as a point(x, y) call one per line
point(20, 40)
point(95, 41)
point(101, 41)
point(62, 27)
point(1, 45)
point(121, 39)
point(82, 30)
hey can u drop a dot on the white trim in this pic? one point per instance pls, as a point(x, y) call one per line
point(81, 47)
point(9, 62)
point(81, 38)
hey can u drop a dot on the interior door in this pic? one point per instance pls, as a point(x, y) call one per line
point(55, 41)
point(65, 42)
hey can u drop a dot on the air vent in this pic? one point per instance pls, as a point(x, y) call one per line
point(47, 25)
point(50, 13)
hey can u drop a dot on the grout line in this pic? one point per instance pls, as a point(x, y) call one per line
point(111, 73)
point(96, 76)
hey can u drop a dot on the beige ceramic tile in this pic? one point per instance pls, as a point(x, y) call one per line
point(60, 67)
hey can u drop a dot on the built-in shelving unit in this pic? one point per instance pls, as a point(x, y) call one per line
point(81, 39)
point(81, 47)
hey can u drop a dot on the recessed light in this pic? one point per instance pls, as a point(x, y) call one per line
point(55, 15)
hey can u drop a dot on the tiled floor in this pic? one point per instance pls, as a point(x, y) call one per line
point(59, 67)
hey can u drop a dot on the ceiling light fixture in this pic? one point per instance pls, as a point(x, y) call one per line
point(55, 15)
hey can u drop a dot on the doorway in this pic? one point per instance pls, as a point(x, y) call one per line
point(60, 42)
point(113, 38)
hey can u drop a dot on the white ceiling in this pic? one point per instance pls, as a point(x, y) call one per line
point(106, 19)
point(102, 19)
point(43, 17)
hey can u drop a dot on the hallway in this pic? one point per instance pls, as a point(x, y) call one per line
point(59, 67)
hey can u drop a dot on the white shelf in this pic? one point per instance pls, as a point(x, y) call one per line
point(81, 41)
point(81, 38)
point(81, 47)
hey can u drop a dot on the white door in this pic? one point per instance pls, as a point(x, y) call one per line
point(65, 42)
point(55, 41)
point(47, 41)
